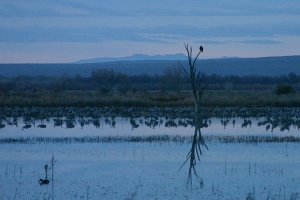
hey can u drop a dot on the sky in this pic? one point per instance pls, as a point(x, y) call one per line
point(51, 31)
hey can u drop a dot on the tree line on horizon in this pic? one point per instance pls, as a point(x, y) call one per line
point(172, 79)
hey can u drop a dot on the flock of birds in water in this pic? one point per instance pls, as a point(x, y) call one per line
point(26, 118)
point(151, 122)
point(271, 119)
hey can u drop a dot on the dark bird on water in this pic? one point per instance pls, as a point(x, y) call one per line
point(27, 126)
point(43, 181)
point(201, 48)
point(42, 126)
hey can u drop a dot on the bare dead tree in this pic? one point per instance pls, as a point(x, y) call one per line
point(198, 87)
point(194, 76)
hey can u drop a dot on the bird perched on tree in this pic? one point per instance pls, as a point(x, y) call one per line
point(201, 48)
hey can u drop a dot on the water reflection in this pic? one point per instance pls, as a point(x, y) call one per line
point(198, 143)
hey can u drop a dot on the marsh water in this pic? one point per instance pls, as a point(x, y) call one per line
point(96, 160)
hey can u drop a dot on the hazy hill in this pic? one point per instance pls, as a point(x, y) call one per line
point(136, 57)
point(269, 66)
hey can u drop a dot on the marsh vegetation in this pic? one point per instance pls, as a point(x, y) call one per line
point(109, 88)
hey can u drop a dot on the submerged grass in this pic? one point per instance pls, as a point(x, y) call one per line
point(151, 139)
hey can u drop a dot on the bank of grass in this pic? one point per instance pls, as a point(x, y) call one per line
point(212, 98)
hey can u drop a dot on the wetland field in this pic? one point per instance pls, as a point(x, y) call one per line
point(149, 100)
point(139, 153)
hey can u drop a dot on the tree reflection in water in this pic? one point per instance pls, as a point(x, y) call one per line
point(195, 153)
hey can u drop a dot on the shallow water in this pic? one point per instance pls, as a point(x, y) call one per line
point(149, 171)
point(118, 169)
point(123, 127)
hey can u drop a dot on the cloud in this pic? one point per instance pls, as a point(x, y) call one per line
point(262, 41)
point(244, 30)
point(83, 8)
point(62, 34)
point(211, 42)
point(159, 34)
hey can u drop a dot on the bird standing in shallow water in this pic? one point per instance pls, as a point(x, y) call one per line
point(43, 181)
point(46, 180)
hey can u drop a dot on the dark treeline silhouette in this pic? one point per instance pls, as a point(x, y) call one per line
point(171, 79)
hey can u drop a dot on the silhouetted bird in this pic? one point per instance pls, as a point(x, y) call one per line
point(42, 126)
point(69, 124)
point(133, 124)
point(27, 126)
point(44, 181)
point(268, 127)
point(201, 48)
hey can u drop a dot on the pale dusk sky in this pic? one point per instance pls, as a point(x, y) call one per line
point(38, 31)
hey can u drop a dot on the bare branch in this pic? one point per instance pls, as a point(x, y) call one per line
point(187, 74)
point(196, 58)
point(198, 80)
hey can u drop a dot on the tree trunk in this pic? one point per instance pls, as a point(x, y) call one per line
point(197, 107)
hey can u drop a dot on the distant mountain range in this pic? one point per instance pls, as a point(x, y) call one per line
point(267, 66)
point(135, 57)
